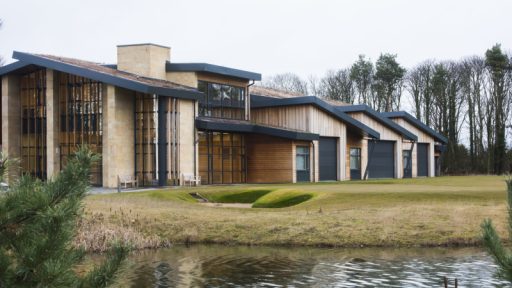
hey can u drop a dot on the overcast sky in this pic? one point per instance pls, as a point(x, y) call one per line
point(266, 36)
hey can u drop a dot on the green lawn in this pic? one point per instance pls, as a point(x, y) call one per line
point(404, 212)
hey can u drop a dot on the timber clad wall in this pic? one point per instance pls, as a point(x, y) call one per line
point(385, 134)
point(309, 119)
point(422, 138)
point(269, 159)
point(354, 141)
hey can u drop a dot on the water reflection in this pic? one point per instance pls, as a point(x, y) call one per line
point(220, 266)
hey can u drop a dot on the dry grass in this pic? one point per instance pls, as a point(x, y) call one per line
point(416, 212)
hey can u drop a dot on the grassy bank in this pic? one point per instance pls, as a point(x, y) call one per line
point(411, 212)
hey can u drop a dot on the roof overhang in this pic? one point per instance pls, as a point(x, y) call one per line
point(28, 59)
point(418, 124)
point(210, 68)
point(247, 127)
point(258, 101)
point(381, 119)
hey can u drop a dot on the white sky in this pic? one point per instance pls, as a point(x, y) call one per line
point(266, 36)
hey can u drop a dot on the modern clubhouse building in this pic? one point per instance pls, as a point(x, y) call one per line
point(158, 120)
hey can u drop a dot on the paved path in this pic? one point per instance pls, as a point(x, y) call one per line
point(103, 190)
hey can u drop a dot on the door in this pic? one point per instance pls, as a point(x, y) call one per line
point(302, 163)
point(327, 159)
point(407, 163)
point(355, 163)
point(381, 159)
point(422, 159)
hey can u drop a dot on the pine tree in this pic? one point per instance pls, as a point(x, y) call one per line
point(501, 255)
point(37, 224)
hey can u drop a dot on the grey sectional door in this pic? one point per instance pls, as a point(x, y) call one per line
point(381, 159)
point(423, 159)
point(327, 159)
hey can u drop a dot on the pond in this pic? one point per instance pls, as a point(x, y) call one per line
point(240, 266)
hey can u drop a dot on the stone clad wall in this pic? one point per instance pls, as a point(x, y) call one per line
point(11, 116)
point(118, 134)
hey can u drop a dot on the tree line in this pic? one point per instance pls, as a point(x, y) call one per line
point(468, 100)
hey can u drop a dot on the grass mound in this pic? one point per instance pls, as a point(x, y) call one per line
point(282, 199)
point(236, 197)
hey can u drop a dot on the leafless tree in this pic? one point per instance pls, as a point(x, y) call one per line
point(289, 82)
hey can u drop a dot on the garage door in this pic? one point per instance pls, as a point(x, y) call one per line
point(423, 159)
point(327, 159)
point(381, 156)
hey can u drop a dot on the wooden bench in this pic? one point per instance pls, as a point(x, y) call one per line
point(127, 179)
point(191, 179)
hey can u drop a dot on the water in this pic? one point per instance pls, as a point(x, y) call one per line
point(220, 266)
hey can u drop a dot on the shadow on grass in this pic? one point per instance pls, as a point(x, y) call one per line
point(283, 201)
point(237, 197)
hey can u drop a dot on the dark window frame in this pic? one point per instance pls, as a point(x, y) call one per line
point(356, 156)
point(234, 108)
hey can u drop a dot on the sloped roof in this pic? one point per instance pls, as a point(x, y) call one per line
point(228, 125)
point(103, 74)
point(258, 101)
point(379, 117)
point(272, 92)
point(417, 123)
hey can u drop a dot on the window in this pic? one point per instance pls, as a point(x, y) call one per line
point(221, 158)
point(80, 101)
point(222, 101)
point(33, 123)
point(302, 158)
point(355, 158)
point(146, 117)
point(407, 163)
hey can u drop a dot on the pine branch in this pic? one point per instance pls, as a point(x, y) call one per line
point(104, 275)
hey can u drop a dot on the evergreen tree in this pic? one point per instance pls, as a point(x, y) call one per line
point(38, 222)
point(389, 77)
point(501, 255)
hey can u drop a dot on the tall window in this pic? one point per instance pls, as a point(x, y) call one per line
point(302, 163)
point(221, 158)
point(222, 101)
point(355, 158)
point(81, 111)
point(407, 163)
point(146, 117)
point(33, 122)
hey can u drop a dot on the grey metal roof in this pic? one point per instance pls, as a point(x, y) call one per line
point(210, 68)
point(103, 74)
point(225, 125)
point(258, 101)
point(377, 116)
point(416, 123)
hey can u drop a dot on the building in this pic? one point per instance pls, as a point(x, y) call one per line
point(158, 120)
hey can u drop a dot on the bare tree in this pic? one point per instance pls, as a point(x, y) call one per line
point(418, 83)
point(337, 85)
point(289, 82)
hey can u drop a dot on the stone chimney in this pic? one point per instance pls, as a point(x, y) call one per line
point(143, 59)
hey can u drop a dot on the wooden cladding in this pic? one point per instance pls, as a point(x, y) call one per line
point(222, 158)
point(33, 123)
point(172, 117)
point(269, 159)
point(148, 150)
point(81, 111)
point(146, 121)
